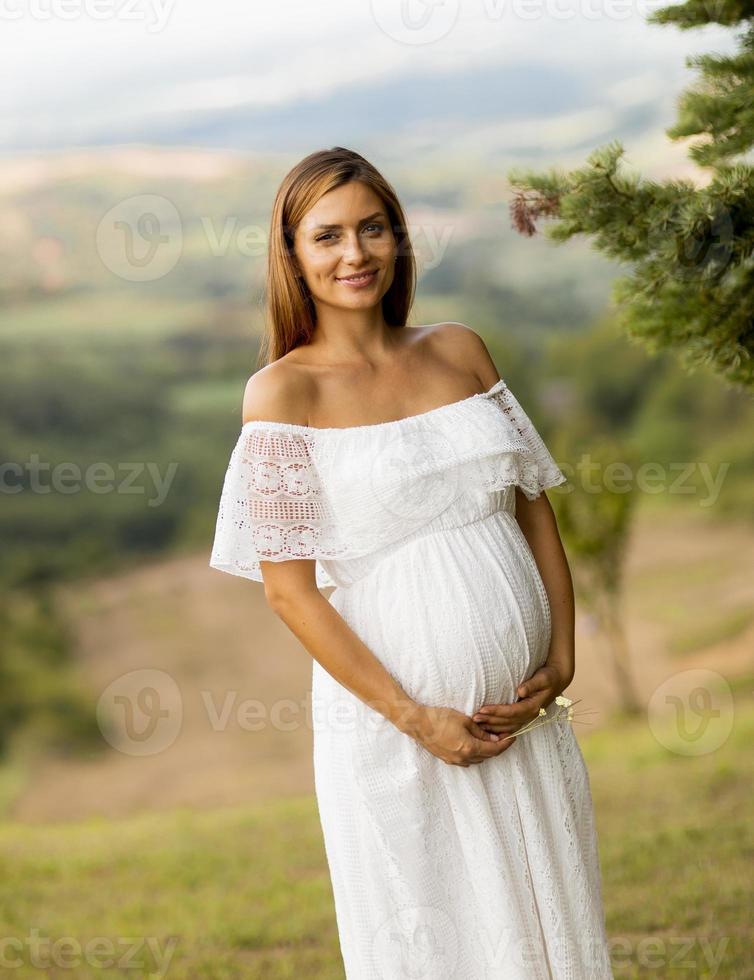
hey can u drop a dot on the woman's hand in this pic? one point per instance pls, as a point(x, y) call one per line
point(456, 739)
point(538, 692)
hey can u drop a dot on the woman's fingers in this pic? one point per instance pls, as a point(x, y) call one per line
point(486, 750)
point(537, 682)
point(502, 727)
point(487, 744)
point(511, 714)
point(484, 734)
point(504, 744)
point(533, 694)
point(495, 725)
point(543, 679)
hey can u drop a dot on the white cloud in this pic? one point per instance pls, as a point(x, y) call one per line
point(70, 78)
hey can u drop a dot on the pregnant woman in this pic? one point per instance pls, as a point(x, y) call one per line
point(393, 463)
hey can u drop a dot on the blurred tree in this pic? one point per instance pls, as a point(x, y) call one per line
point(673, 421)
point(43, 705)
point(608, 377)
point(594, 518)
point(691, 288)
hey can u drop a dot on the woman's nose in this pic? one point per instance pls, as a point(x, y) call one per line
point(353, 248)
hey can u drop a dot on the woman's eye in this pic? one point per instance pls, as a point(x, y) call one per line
point(373, 224)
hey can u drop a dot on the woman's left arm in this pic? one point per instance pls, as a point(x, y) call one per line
point(537, 522)
point(538, 525)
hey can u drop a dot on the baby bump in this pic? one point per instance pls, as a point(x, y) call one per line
point(457, 617)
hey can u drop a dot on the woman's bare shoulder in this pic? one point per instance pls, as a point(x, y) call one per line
point(278, 392)
point(459, 344)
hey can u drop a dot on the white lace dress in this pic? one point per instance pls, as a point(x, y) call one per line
point(439, 872)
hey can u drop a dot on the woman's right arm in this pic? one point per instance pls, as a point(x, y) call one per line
point(449, 734)
point(334, 645)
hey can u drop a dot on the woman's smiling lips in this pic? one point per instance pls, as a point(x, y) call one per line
point(359, 280)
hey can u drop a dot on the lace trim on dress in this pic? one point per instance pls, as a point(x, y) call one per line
point(298, 492)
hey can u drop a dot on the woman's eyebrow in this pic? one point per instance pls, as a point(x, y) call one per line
point(377, 214)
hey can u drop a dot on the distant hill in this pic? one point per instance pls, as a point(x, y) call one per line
point(64, 217)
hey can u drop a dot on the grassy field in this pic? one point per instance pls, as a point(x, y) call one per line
point(244, 891)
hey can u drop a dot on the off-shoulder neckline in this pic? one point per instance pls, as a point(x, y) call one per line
point(498, 385)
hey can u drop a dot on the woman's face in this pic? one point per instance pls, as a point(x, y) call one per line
point(346, 234)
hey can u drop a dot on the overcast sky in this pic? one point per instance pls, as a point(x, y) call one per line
point(73, 70)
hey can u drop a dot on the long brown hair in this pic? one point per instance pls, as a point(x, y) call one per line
point(290, 313)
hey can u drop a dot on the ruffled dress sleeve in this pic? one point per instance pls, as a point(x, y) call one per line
point(273, 505)
point(534, 467)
